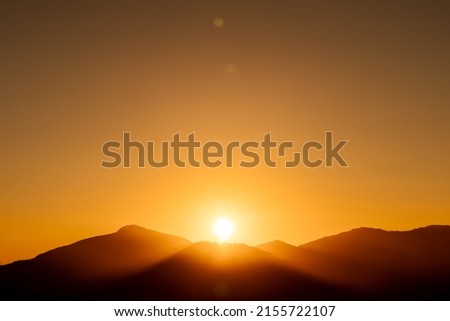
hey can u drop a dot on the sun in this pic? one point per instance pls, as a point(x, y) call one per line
point(223, 228)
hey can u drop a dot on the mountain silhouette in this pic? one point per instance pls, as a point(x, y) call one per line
point(139, 264)
point(376, 263)
point(66, 271)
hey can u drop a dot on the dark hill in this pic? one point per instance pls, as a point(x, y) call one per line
point(381, 264)
point(208, 271)
point(64, 271)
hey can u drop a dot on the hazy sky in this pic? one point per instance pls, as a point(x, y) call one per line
point(74, 74)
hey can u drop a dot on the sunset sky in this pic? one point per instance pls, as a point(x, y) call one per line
point(75, 74)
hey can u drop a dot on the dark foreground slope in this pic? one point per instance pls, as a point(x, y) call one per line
point(207, 271)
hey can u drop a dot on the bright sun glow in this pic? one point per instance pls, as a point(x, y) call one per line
point(223, 228)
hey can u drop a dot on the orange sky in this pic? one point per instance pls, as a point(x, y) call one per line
point(75, 74)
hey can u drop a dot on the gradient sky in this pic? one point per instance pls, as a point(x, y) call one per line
point(75, 74)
